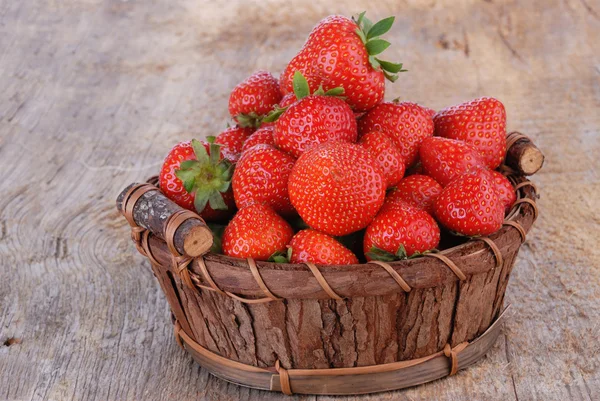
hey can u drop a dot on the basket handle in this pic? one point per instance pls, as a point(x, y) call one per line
point(143, 205)
point(522, 156)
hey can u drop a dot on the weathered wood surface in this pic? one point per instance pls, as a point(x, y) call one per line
point(94, 92)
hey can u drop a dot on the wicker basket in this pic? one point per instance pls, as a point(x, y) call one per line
point(332, 329)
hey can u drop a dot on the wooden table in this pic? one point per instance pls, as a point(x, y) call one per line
point(94, 93)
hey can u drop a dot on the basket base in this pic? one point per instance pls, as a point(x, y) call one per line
point(345, 381)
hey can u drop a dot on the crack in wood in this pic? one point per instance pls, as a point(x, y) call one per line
point(506, 43)
point(3, 229)
point(590, 9)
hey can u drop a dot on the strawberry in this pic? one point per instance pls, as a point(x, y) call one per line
point(400, 231)
point(232, 140)
point(197, 177)
point(341, 52)
point(254, 98)
point(261, 176)
point(337, 187)
point(256, 232)
point(387, 154)
point(429, 111)
point(313, 120)
point(506, 191)
point(315, 247)
point(445, 159)
point(263, 135)
point(407, 124)
point(417, 190)
point(288, 100)
point(481, 123)
point(470, 206)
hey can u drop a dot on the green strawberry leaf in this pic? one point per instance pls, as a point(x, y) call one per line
point(215, 200)
point(380, 27)
point(252, 120)
point(215, 153)
point(200, 200)
point(390, 77)
point(367, 24)
point(335, 92)
point(187, 164)
point(278, 257)
point(200, 151)
point(320, 91)
point(360, 18)
point(274, 115)
point(401, 252)
point(211, 139)
point(376, 46)
point(419, 254)
point(361, 35)
point(300, 84)
point(374, 62)
point(376, 253)
point(389, 66)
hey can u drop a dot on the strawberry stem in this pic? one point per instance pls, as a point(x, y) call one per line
point(207, 176)
point(302, 90)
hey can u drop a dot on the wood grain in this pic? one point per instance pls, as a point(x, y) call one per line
point(95, 92)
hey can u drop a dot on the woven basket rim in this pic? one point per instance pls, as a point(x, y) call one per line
point(268, 281)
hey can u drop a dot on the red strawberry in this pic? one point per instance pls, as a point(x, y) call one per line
point(340, 52)
point(506, 191)
point(470, 206)
point(387, 154)
point(315, 247)
point(263, 135)
point(417, 190)
point(232, 140)
point(445, 159)
point(196, 177)
point(337, 187)
point(481, 123)
point(254, 98)
point(287, 100)
point(429, 111)
point(261, 176)
point(256, 232)
point(313, 120)
point(400, 231)
point(407, 124)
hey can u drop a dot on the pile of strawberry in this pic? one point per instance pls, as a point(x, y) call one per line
point(318, 168)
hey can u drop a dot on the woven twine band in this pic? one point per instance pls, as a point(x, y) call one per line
point(519, 228)
point(452, 354)
point(322, 282)
point(513, 138)
point(530, 202)
point(154, 180)
point(147, 250)
point(179, 262)
point(527, 184)
point(212, 285)
point(394, 274)
point(284, 379)
point(286, 375)
point(494, 248)
point(451, 265)
point(129, 200)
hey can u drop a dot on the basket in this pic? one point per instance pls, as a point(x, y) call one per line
point(327, 329)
